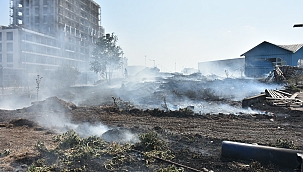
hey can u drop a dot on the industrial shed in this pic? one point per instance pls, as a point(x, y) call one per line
point(263, 58)
point(231, 67)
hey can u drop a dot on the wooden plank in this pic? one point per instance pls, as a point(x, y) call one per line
point(271, 93)
point(278, 94)
point(283, 92)
point(286, 98)
point(268, 92)
point(294, 95)
point(282, 99)
point(275, 94)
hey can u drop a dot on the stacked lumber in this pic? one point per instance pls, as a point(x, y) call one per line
point(282, 99)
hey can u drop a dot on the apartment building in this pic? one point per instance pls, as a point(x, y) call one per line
point(45, 34)
point(80, 18)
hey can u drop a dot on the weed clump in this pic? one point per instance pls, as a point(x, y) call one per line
point(284, 143)
point(150, 141)
point(73, 153)
point(153, 147)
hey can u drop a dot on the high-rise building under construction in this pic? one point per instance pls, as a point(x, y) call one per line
point(81, 18)
point(46, 34)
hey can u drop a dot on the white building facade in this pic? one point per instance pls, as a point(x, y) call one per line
point(46, 34)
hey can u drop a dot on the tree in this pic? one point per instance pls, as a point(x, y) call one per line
point(107, 56)
point(65, 76)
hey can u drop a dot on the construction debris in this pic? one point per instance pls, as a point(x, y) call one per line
point(284, 73)
point(279, 98)
point(282, 98)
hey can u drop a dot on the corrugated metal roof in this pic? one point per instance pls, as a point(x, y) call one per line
point(293, 48)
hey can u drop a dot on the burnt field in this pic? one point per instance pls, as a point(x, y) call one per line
point(150, 124)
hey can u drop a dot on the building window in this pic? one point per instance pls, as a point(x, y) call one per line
point(10, 58)
point(36, 19)
point(45, 2)
point(45, 19)
point(44, 10)
point(51, 10)
point(30, 59)
point(277, 61)
point(0, 36)
point(26, 20)
point(9, 36)
point(29, 48)
point(38, 39)
point(28, 37)
point(0, 47)
point(43, 40)
point(0, 58)
point(9, 47)
point(27, 11)
point(36, 2)
point(36, 11)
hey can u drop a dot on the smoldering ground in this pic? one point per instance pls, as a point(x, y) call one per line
point(148, 90)
point(54, 114)
point(180, 91)
point(164, 91)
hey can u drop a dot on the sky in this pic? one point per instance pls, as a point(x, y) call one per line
point(177, 34)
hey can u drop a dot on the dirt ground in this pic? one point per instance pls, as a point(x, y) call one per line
point(195, 140)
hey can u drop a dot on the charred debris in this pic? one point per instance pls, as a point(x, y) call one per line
point(159, 94)
point(289, 97)
point(176, 94)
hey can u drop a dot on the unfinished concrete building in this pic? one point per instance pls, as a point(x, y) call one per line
point(46, 34)
point(80, 18)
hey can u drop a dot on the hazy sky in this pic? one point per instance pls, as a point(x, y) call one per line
point(181, 33)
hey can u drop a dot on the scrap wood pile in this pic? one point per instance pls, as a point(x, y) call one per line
point(283, 73)
point(282, 98)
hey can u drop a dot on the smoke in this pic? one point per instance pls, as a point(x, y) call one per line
point(181, 91)
point(13, 102)
point(53, 114)
point(61, 124)
point(147, 91)
point(214, 108)
point(231, 68)
point(238, 89)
